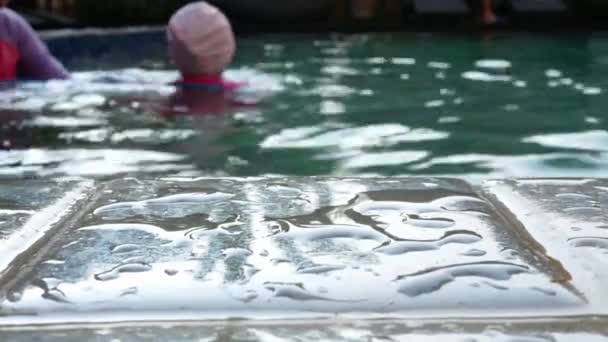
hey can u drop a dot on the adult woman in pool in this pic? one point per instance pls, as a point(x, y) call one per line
point(23, 55)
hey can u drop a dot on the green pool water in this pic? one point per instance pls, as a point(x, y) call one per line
point(383, 104)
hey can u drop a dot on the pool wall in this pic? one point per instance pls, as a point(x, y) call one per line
point(91, 49)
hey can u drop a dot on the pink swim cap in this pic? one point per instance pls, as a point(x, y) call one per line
point(201, 41)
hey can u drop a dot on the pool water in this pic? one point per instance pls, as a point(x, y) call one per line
point(357, 105)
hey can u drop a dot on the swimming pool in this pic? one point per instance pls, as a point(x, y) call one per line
point(355, 105)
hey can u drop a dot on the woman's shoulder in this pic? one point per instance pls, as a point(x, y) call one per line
point(9, 14)
point(12, 21)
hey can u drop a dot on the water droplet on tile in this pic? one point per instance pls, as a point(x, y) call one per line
point(544, 291)
point(51, 290)
point(284, 190)
point(330, 231)
point(249, 270)
point(574, 196)
point(236, 253)
point(171, 272)
point(115, 272)
point(591, 211)
point(55, 295)
point(135, 260)
point(129, 291)
point(144, 228)
point(14, 296)
point(433, 279)
point(319, 269)
point(54, 262)
point(436, 223)
point(173, 206)
point(408, 246)
point(495, 286)
point(126, 248)
point(594, 242)
point(247, 297)
point(474, 253)
point(295, 291)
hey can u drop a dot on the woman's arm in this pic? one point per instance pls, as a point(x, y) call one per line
point(36, 62)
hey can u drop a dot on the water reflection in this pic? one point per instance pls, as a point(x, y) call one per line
point(321, 331)
point(335, 105)
point(287, 248)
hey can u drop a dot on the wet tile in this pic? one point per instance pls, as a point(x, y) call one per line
point(29, 210)
point(288, 248)
point(311, 331)
point(569, 219)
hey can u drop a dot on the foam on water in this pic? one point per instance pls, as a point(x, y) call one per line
point(87, 162)
point(98, 117)
point(493, 64)
point(485, 77)
point(593, 140)
point(349, 138)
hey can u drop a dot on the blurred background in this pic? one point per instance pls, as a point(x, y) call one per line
point(317, 15)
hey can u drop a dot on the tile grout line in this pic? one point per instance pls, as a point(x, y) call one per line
point(558, 271)
point(39, 233)
point(544, 230)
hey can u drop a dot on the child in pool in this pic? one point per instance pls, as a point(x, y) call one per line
point(202, 45)
point(23, 55)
